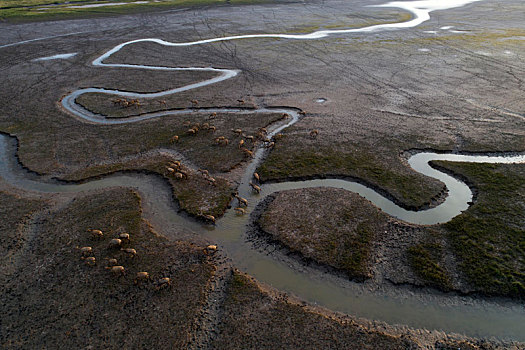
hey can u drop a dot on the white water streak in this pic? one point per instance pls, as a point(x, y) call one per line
point(56, 57)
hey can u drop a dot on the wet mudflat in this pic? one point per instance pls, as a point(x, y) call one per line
point(385, 93)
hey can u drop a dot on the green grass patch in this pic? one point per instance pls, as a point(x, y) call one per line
point(195, 195)
point(39, 10)
point(387, 174)
point(489, 238)
point(425, 260)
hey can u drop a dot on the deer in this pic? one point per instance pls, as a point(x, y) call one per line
point(242, 201)
point(117, 270)
point(90, 261)
point(130, 251)
point(255, 188)
point(175, 164)
point(163, 283)
point(86, 251)
point(141, 277)
point(247, 152)
point(115, 243)
point(240, 211)
point(96, 234)
point(210, 249)
point(210, 218)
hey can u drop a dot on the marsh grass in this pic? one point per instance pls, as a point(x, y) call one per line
point(426, 261)
point(294, 158)
point(489, 238)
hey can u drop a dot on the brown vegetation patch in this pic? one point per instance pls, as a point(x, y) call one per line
point(333, 227)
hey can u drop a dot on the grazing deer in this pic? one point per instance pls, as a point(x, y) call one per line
point(247, 152)
point(90, 261)
point(117, 270)
point(86, 251)
point(141, 277)
point(255, 187)
point(96, 234)
point(163, 283)
point(240, 211)
point(130, 251)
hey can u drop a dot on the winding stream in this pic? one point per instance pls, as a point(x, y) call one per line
point(473, 317)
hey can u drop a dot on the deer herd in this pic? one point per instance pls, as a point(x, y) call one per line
point(245, 143)
point(116, 244)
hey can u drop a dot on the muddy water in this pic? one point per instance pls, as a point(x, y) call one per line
point(394, 305)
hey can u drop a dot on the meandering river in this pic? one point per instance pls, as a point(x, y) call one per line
point(503, 319)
